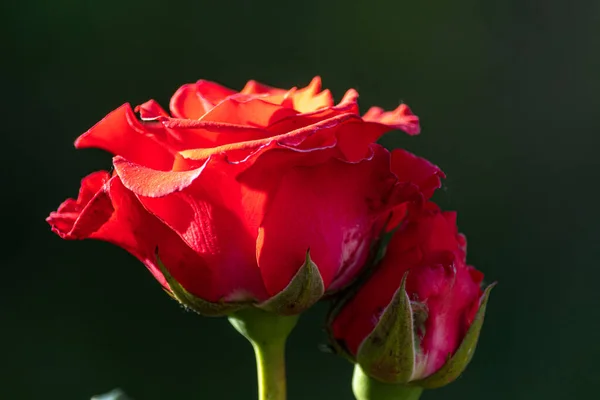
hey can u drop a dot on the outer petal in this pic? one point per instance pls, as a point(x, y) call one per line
point(203, 207)
point(400, 118)
point(79, 218)
point(332, 209)
point(121, 219)
point(120, 133)
point(411, 168)
point(110, 215)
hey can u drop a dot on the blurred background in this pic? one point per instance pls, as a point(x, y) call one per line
point(508, 95)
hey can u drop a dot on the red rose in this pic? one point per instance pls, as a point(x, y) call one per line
point(444, 294)
point(234, 188)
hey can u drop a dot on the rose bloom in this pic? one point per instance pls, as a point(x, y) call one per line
point(231, 189)
point(443, 290)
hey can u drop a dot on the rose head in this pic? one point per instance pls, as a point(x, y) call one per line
point(418, 316)
point(241, 197)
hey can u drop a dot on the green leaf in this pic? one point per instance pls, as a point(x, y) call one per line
point(459, 361)
point(388, 353)
point(304, 290)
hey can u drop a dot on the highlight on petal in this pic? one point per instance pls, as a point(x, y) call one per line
point(304, 100)
point(120, 133)
point(311, 98)
point(148, 182)
point(401, 118)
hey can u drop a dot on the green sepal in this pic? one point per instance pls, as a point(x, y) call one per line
point(459, 361)
point(388, 353)
point(191, 302)
point(304, 290)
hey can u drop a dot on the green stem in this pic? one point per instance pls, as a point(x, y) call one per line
point(267, 333)
point(367, 388)
point(270, 365)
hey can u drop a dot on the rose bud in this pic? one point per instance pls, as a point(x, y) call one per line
point(267, 197)
point(417, 318)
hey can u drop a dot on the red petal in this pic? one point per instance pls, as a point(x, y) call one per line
point(311, 98)
point(193, 100)
point(142, 234)
point(150, 110)
point(152, 183)
point(411, 168)
point(204, 208)
point(247, 110)
point(447, 322)
point(315, 137)
point(416, 171)
point(126, 223)
point(254, 87)
point(120, 133)
point(110, 216)
point(185, 134)
point(401, 118)
point(304, 100)
point(77, 219)
point(333, 209)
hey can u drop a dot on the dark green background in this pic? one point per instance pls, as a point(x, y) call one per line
point(508, 95)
